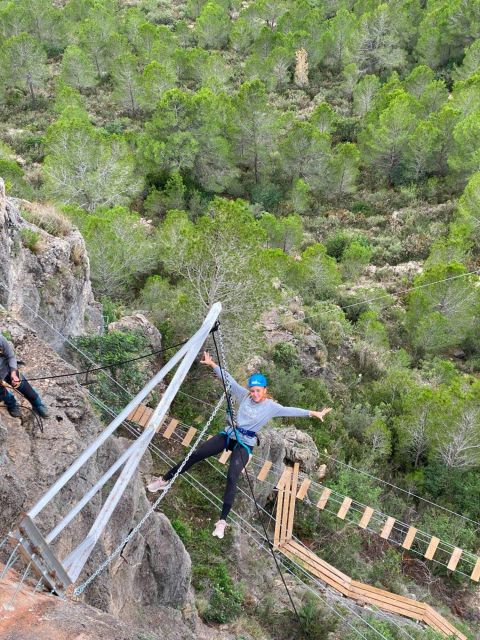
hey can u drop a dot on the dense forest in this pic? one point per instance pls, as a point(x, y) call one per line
point(315, 163)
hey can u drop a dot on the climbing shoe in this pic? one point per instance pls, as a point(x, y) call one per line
point(219, 530)
point(15, 411)
point(157, 485)
point(41, 410)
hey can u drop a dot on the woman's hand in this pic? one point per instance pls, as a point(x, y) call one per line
point(320, 414)
point(208, 360)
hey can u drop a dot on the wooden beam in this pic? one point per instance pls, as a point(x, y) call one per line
point(170, 429)
point(283, 477)
point(409, 538)
point(345, 506)
point(286, 503)
point(264, 470)
point(454, 558)
point(387, 528)
point(432, 547)
point(293, 498)
point(304, 487)
point(279, 512)
point(225, 456)
point(366, 517)
point(476, 571)
point(321, 504)
point(189, 436)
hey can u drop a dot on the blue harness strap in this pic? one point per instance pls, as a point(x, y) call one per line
point(239, 442)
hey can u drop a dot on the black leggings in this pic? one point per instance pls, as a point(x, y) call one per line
point(238, 461)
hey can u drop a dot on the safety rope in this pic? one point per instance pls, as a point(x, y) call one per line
point(81, 588)
point(227, 387)
point(110, 366)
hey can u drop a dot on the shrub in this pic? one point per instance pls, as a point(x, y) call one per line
point(225, 603)
point(285, 355)
point(47, 218)
point(31, 239)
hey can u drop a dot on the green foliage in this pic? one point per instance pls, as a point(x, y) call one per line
point(283, 233)
point(23, 61)
point(315, 273)
point(121, 247)
point(442, 316)
point(110, 349)
point(212, 26)
point(285, 355)
point(225, 603)
point(330, 322)
point(31, 239)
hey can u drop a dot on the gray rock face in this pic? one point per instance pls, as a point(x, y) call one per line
point(53, 281)
point(281, 446)
point(151, 576)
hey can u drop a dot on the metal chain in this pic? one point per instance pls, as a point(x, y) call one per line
point(81, 588)
point(223, 365)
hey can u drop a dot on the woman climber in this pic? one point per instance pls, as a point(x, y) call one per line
point(255, 408)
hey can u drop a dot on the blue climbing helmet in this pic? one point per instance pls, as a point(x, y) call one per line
point(257, 380)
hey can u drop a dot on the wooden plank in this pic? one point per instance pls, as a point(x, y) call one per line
point(441, 624)
point(476, 571)
point(366, 517)
point(387, 528)
point(304, 487)
point(136, 413)
point(381, 598)
point(145, 417)
point(432, 547)
point(309, 560)
point(454, 558)
point(189, 436)
point(301, 550)
point(321, 504)
point(409, 538)
point(377, 591)
point(281, 480)
point(225, 456)
point(170, 429)
point(264, 470)
point(279, 513)
point(293, 498)
point(386, 605)
point(345, 506)
point(286, 504)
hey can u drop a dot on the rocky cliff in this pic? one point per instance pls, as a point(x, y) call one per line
point(148, 585)
point(44, 272)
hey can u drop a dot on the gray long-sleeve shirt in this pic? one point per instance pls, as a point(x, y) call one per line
point(8, 361)
point(253, 415)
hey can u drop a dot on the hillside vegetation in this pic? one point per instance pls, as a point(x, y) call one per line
point(313, 165)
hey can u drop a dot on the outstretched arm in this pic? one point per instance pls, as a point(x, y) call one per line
point(295, 412)
point(237, 389)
